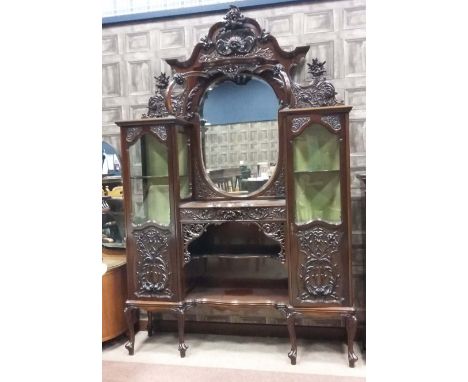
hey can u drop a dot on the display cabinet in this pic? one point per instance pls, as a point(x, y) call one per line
point(237, 187)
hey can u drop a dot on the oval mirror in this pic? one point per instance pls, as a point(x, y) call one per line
point(239, 133)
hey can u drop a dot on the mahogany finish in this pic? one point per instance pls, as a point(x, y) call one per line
point(163, 274)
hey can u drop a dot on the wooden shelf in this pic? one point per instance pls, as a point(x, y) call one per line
point(235, 203)
point(238, 296)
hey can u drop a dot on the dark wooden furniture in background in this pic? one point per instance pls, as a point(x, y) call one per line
point(287, 244)
point(114, 293)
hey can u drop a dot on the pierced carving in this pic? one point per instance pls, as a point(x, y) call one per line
point(132, 133)
point(157, 103)
point(319, 272)
point(160, 131)
point(265, 53)
point(298, 122)
point(190, 233)
point(234, 19)
point(206, 42)
point(275, 231)
point(203, 190)
point(319, 92)
point(333, 121)
point(278, 187)
point(246, 213)
point(152, 266)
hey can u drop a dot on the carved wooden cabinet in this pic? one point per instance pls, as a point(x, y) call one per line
point(237, 187)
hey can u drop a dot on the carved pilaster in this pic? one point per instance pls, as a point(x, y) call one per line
point(319, 272)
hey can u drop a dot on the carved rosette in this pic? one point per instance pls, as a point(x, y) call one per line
point(333, 121)
point(160, 131)
point(132, 134)
point(152, 265)
point(241, 214)
point(190, 232)
point(298, 123)
point(319, 271)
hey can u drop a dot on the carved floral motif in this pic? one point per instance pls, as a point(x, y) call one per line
point(246, 213)
point(190, 232)
point(132, 133)
point(320, 92)
point(157, 102)
point(275, 231)
point(278, 187)
point(333, 121)
point(298, 122)
point(152, 266)
point(160, 131)
point(319, 271)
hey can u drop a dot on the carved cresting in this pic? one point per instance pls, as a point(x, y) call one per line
point(319, 271)
point(152, 265)
point(235, 39)
point(157, 102)
point(320, 92)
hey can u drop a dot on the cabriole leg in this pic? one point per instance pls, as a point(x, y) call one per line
point(180, 325)
point(128, 311)
point(290, 314)
point(292, 339)
point(351, 326)
point(149, 327)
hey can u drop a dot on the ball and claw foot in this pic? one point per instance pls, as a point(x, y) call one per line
point(292, 356)
point(129, 347)
point(182, 349)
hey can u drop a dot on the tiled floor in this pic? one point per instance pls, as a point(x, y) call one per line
point(239, 352)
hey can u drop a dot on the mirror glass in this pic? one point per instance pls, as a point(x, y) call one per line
point(239, 133)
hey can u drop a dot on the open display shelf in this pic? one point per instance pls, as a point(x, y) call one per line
point(195, 239)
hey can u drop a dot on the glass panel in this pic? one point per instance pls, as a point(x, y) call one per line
point(149, 181)
point(240, 133)
point(317, 176)
point(182, 152)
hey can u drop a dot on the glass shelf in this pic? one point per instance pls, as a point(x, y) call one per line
point(149, 181)
point(317, 176)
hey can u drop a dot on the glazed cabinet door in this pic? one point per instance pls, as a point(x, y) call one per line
point(149, 203)
point(318, 206)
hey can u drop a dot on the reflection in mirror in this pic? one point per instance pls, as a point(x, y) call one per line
point(240, 133)
point(113, 227)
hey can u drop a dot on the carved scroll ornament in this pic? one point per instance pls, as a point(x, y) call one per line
point(319, 92)
point(319, 271)
point(152, 266)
